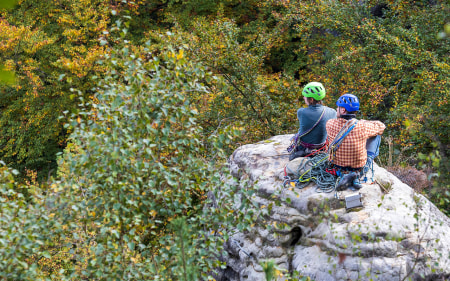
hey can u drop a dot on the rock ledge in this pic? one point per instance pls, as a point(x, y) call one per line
point(397, 232)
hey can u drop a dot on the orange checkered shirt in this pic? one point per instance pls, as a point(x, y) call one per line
point(352, 151)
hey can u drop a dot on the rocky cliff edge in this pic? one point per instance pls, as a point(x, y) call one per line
point(397, 234)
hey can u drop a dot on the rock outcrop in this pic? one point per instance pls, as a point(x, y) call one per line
point(396, 234)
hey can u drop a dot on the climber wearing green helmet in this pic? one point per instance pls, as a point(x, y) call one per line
point(312, 134)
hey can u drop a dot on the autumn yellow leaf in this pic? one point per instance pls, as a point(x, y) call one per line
point(180, 54)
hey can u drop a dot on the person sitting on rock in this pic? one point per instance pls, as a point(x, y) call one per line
point(312, 134)
point(353, 144)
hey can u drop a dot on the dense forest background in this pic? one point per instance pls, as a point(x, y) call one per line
point(116, 117)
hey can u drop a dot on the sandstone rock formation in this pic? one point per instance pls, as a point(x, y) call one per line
point(397, 234)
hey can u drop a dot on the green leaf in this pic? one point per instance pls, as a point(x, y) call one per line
point(7, 4)
point(7, 77)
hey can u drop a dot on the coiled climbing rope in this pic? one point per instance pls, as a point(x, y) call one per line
point(316, 169)
point(316, 172)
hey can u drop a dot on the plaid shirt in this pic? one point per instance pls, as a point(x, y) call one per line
point(352, 152)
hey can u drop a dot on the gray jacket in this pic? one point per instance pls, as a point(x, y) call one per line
point(308, 116)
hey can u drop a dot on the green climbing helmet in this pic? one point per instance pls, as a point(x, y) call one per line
point(314, 90)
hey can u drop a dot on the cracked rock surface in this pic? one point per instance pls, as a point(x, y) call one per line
point(396, 234)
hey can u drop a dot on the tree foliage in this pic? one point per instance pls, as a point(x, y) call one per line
point(139, 172)
point(388, 54)
point(51, 47)
point(150, 123)
point(25, 230)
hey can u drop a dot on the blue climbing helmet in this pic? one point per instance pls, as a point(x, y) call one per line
point(349, 102)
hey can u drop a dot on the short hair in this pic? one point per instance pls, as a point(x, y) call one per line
point(313, 101)
point(349, 112)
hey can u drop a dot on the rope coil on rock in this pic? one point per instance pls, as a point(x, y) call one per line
point(325, 181)
point(319, 173)
point(316, 172)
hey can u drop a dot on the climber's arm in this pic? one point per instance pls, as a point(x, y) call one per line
point(374, 128)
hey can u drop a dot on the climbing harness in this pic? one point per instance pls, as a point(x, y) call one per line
point(312, 146)
point(296, 138)
point(362, 172)
point(318, 150)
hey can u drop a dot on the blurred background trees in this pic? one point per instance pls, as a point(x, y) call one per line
point(150, 118)
point(392, 55)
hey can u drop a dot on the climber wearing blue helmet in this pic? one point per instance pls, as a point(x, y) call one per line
point(353, 144)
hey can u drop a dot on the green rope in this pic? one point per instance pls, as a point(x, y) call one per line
point(325, 181)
